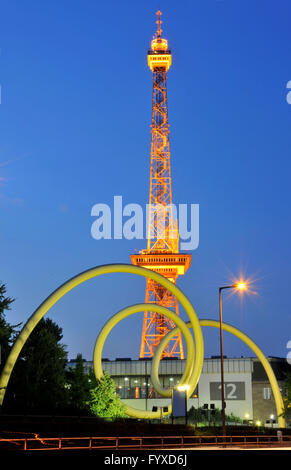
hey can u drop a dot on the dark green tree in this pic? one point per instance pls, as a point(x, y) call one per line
point(78, 384)
point(7, 331)
point(104, 401)
point(38, 379)
point(287, 398)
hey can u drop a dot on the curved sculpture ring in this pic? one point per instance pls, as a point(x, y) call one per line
point(195, 355)
point(182, 326)
point(247, 340)
point(195, 364)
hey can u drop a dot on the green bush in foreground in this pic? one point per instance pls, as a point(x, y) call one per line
point(104, 401)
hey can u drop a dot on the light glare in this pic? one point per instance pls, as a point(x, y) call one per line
point(241, 285)
point(183, 388)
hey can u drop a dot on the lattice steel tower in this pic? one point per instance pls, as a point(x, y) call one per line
point(162, 253)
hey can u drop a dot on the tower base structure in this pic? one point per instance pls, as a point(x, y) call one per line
point(156, 326)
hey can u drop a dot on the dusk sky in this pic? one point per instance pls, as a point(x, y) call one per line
point(75, 119)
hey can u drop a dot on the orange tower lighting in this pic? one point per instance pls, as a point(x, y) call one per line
point(162, 253)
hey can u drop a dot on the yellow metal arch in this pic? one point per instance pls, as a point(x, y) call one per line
point(194, 362)
point(97, 358)
point(247, 340)
point(89, 274)
point(261, 356)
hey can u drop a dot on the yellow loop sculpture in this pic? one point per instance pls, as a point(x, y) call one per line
point(195, 349)
point(194, 368)
point(97, 358)
point(239, 334)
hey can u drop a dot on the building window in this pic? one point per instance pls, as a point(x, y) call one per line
point(267, 393)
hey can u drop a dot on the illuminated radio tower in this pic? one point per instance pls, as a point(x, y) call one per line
point(162, 253)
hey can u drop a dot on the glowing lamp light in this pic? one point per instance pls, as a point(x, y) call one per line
point(183, 388)
point(258, 423)
point(241, 286)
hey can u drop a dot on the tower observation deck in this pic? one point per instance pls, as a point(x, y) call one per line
point(162, 253)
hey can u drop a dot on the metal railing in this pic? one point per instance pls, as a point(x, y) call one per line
point(141, 442)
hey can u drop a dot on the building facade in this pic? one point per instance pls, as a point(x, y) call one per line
point(264, 408)
point(248, 394)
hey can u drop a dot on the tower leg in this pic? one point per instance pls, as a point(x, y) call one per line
point(156, 326)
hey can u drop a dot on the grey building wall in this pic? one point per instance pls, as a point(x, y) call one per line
point(247, 389)
point(264, 408)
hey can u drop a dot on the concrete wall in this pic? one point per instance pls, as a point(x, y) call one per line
point(264, 403)
point(238, 392)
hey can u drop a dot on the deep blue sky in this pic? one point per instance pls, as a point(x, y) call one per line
point(75, 131)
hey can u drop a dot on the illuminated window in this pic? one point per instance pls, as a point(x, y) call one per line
point(267, 393)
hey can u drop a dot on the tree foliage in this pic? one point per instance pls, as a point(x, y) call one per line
point(200, 415)
point(104, 401)
point(287, 398)
point(79, 384)
point(38, 380)
point(7, 330)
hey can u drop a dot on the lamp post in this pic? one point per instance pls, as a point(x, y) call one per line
point(247, 417)
point(240, 286)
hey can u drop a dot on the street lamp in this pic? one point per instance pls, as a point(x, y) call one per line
point(239, 286)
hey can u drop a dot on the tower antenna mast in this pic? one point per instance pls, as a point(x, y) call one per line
point(159, 22)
